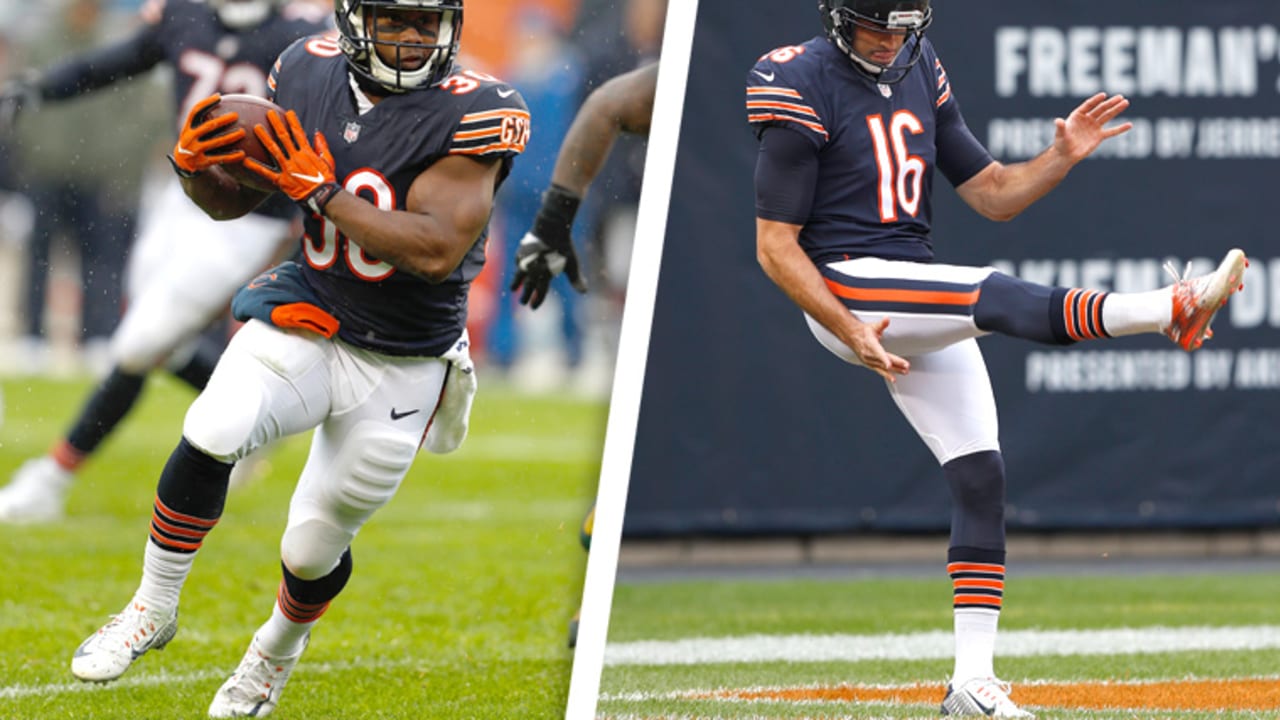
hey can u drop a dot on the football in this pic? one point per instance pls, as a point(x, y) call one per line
point(252, 111)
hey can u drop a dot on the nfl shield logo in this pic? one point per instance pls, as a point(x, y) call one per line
point(351, 133)
point(885, 90)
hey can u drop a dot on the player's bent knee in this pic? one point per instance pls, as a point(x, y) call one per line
point(313, 548)
point(371, 466)
point(222, 420)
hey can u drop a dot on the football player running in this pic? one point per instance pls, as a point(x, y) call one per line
point(850, 126)
point(395, 155)
point(184, 267)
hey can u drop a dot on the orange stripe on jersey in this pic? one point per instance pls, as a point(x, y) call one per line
point(492, 147)
point(926, 297)
point(491, 114)
point(775, 105)
point(945, 96)
point(473, 134)
point(765, 117)
point(772, 91)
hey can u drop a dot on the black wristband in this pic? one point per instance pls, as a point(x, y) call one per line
point(321, 197)
point(555, 217)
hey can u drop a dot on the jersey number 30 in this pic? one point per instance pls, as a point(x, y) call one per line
point(901, 173)
point(375, 188)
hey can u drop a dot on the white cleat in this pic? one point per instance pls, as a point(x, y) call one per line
point(254, 689)
point(105, 655)
point(981, 697)
point(37, 493)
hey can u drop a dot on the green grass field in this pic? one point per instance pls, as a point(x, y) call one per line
point(458, 606)
point(779, 608)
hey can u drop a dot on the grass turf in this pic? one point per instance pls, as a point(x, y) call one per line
point(458, 606)
point(674, 610)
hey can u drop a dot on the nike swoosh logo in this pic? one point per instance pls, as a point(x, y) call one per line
point(396, 416)
point(506, 93)
point(767, 78)
point(184, 151)
point(317, 178)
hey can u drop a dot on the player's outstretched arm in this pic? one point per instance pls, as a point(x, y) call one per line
point(1002, 192)
point(77, 75)
point(623, 104)
point(778, 250)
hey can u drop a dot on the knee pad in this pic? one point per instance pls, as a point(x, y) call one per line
point(222, 421)
point(977, 490)
point(313, 548)
point(368, 470)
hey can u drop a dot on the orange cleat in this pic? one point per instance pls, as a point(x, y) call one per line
point(1197, 300)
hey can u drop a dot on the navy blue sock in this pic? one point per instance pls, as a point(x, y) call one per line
point(1050, 315)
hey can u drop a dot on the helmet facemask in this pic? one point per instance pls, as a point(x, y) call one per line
point(843, 19)
point(358, 22)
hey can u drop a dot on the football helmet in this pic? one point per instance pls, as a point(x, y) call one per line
point(356, 19)
point(241, 14)
point(842, 18)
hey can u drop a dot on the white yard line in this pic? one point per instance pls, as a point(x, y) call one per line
point(937, 645)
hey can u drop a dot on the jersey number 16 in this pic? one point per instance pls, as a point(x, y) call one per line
point(901, 173)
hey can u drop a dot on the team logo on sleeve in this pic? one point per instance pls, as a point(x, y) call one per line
point(491, 131)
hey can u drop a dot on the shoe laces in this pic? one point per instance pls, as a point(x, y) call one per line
point(128, 628)
point(1178, 277)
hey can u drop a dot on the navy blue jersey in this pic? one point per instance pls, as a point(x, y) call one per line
point(876, 146)
point(206, 57)
point(377, 156)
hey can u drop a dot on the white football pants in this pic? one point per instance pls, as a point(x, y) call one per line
point(370, 413)
point(947, 395)
point(182, 272)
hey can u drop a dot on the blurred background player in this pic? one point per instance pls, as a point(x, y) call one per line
point(185, 266)
point(363, 339)
point(850, 125)
point(572, 347)
point(623, 104)
point(84, 176)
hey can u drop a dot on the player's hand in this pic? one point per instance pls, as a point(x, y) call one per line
point(306, 172)
point(866, 343)
point(537, 263)
point(14, 97)
point(1086, 127)
point(203, 143)
point(547, 249)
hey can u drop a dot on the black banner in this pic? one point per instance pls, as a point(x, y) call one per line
point(748, 426)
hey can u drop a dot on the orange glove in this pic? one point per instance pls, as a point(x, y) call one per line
point(200, 138)
point(306, 173)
